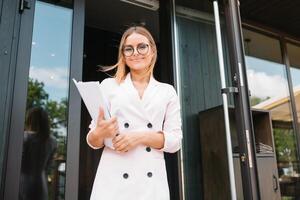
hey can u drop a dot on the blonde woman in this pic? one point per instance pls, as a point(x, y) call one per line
point(146, 123)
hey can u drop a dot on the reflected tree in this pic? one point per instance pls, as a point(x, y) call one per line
point(285, 144)
point(256, 100)
point(38, 97)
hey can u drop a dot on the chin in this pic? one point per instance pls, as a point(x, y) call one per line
point(138, 67)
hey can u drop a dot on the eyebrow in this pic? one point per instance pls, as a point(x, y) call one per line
point(126, 45)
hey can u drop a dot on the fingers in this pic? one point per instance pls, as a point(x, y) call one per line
point(122, 143)
point(113, 129)
point(107, 128)
point(101, 114)
point(122, 148)
point(117, 141)
point(109, 123)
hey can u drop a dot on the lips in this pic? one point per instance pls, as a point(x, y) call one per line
point(137, 60)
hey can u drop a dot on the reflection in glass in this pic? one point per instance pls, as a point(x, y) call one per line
point(38, 151)
point(44, 146)
point(268, 86)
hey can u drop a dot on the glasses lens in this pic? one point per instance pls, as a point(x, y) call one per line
point(128, 51)
point(143, 48)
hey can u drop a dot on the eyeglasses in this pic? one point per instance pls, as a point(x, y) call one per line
point(141, 48)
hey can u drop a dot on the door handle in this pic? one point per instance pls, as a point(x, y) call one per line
point(275, 183)
point(24, 4)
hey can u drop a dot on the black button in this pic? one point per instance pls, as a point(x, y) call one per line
point(126, 125)
point(148, 149)
point(149, 125)
point(149, 174)
point(125, 175)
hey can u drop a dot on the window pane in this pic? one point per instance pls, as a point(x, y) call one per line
point(268, 86)
point(45, 134)
point(294, 57)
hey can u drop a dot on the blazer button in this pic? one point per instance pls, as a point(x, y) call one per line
point(149, 174)
point(125, 175)
point(149, 125)
point(148, 149)
point(126, 125)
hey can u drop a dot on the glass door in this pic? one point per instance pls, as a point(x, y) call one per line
point(45, 108)
point(43, 169)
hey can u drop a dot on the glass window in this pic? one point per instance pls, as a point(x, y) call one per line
point(294, 57)
point(45, 134)
point(268, 86)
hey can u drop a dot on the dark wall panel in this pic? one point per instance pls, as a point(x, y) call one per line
point(201, 90)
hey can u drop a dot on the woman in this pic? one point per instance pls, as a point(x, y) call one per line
point(146, 123)
point(38, 151)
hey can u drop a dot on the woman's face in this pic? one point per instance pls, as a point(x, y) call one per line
point(137, 52)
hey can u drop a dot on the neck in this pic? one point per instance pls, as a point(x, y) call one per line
point(139, 77)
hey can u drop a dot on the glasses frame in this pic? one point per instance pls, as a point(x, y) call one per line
point(135, 48)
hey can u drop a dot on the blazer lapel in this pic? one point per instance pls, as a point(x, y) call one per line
point(133, 96)
point(149, 93)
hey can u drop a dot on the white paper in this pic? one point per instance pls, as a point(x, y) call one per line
point(92, 97)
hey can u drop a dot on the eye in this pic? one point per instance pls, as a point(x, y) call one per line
point(142, 46)
point(127, 49)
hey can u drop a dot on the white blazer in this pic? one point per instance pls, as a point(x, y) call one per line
point(139, 174)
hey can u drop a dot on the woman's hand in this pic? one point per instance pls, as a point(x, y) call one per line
point(106, 128)
point(126, 141)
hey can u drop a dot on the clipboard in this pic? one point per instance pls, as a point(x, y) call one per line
point(93, 98)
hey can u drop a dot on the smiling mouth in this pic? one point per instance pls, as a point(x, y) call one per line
point(136, 60)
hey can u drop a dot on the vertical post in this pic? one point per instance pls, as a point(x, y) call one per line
point(74, 110)
point(177, 82)
point(24, 27)
point(225, 103)
point(242, 103)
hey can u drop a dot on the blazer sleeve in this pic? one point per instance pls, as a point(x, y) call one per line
point(172, 124)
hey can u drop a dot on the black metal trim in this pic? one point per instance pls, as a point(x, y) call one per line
point(268, 30)
point(228, 90)
point(15, 141)
point(74, 111)
point(242, 109)
point(9, 34)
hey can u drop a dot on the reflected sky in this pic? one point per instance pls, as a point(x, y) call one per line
point(295, 73)
point(51, 44)
point(266, 78)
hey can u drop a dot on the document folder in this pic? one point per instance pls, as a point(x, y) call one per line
point(93, 98)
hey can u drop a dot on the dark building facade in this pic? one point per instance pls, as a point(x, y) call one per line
point(239, 93)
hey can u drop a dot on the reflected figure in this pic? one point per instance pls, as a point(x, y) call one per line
point(38, 150)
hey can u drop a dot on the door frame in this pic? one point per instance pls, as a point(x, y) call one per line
point(10, 21)
point(19, 91)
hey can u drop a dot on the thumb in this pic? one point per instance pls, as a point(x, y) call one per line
point(101, 114)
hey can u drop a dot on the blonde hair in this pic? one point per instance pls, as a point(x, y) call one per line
point(122, 68)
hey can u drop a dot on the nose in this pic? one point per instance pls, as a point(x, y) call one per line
point(135, 52)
